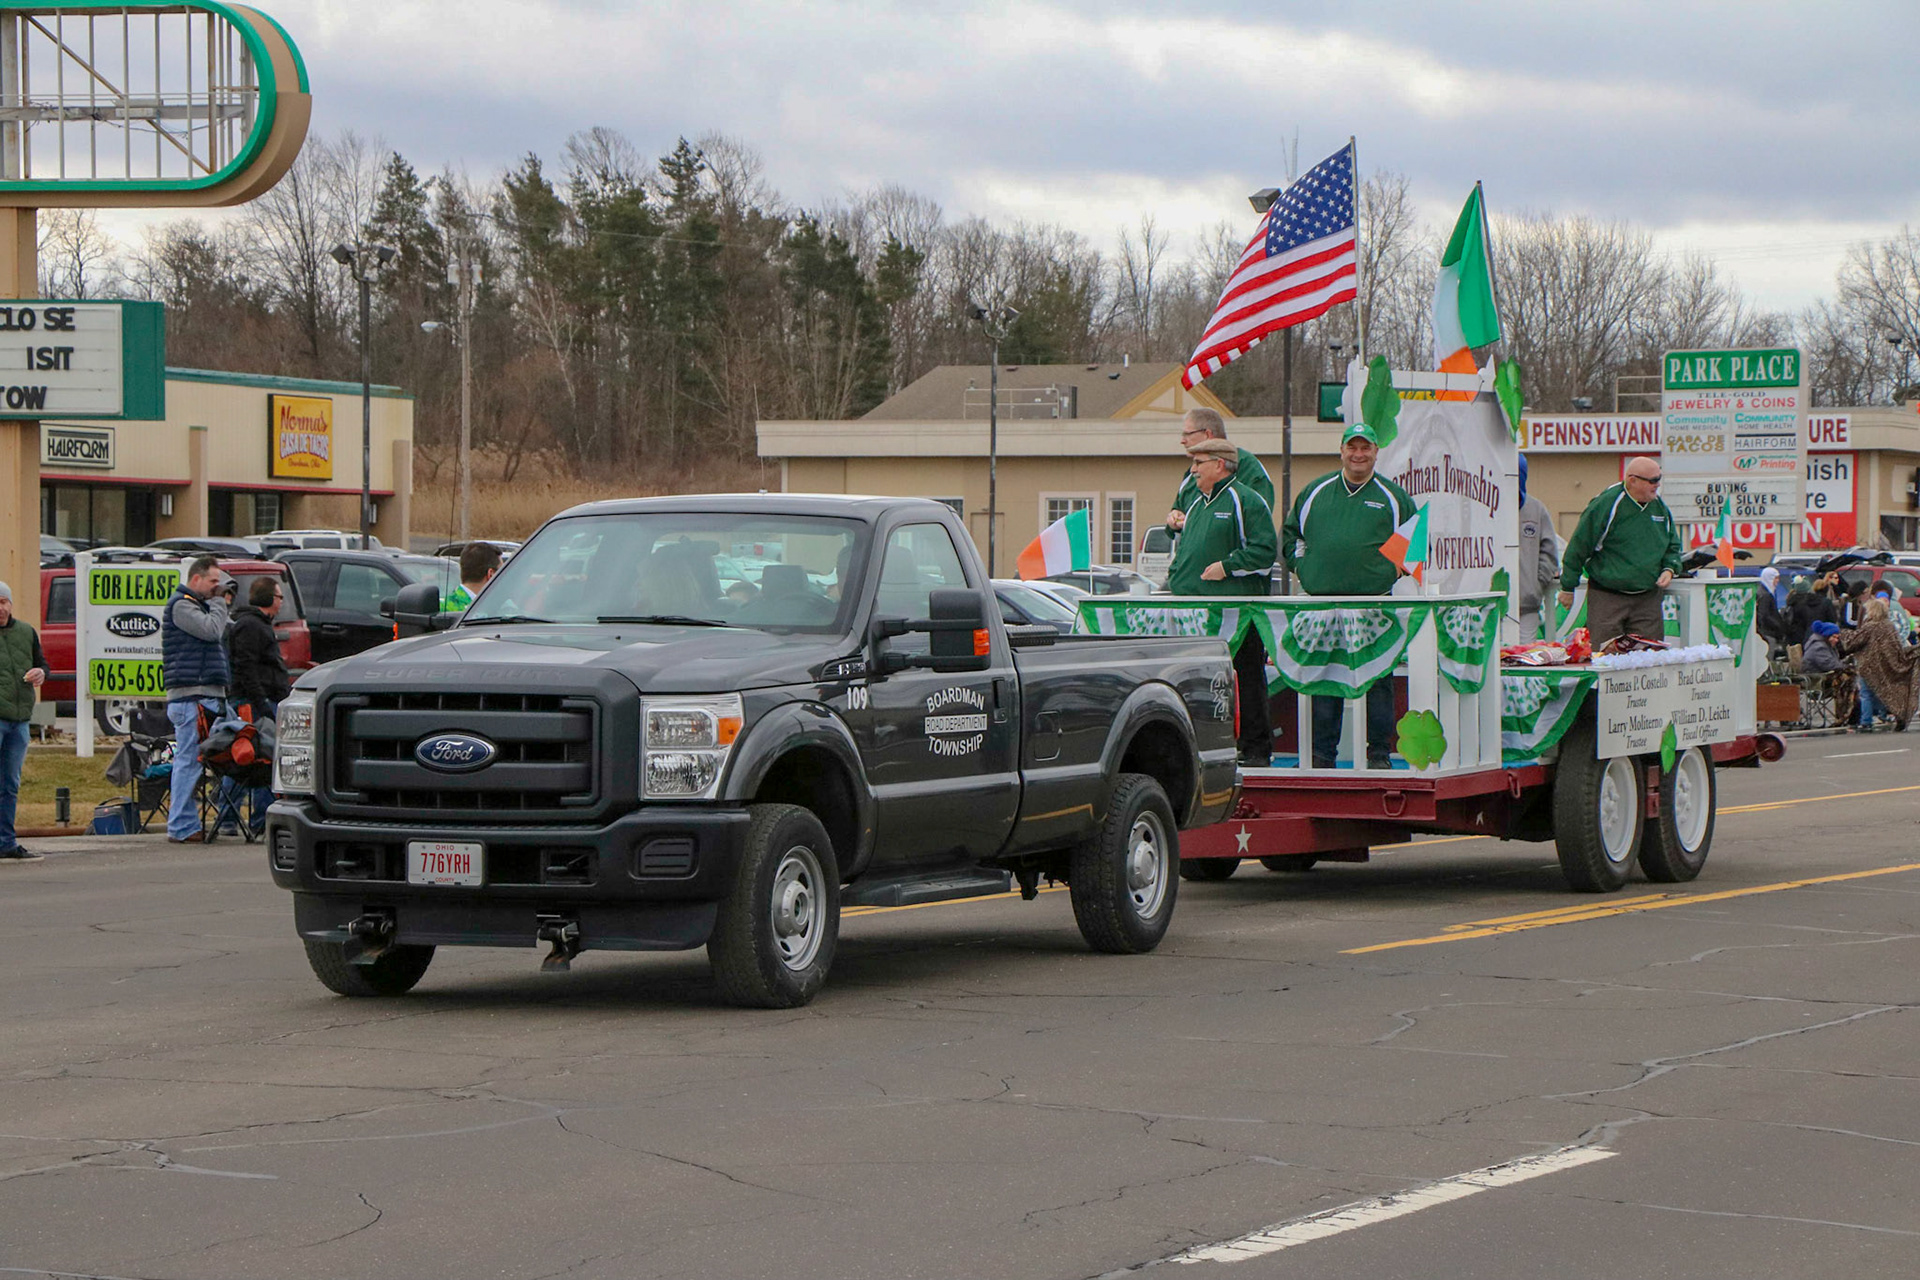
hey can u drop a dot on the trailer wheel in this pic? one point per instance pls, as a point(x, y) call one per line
point(1208, 868)
point(774, 939)
point(1597, 814)
point(1676, 848)
point(1289, 862)
point(393, 974)
point(1123, 880)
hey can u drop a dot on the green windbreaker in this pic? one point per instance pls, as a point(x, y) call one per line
point(1235, 527)
point(1334, 534)
point(1620, 545)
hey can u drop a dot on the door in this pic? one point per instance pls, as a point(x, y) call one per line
point(313, 577)
point(940, 749)
point(358, 592)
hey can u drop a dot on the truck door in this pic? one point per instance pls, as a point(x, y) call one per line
point(941, 749)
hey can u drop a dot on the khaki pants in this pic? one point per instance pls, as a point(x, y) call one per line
point(1611, 614)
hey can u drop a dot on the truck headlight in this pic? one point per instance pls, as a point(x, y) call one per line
point(685, 743)
point(294, 744)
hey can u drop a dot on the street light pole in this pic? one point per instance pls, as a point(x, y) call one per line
point(995, 323)
point(364, 261)
point(469, 271)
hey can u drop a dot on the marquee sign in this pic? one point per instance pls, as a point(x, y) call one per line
point(82, 360)
point(1732, 433)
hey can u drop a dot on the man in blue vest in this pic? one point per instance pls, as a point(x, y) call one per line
point(193, 651)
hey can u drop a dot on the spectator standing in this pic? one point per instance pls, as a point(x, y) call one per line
point(1853, 603)
point(1767, 618)
point(1228, 550)
point(1539, 559)
point(479, 561)
point(260, 676)
point(196, 669)
point(1887, 669)
point(1332, 541)
point(1627, 545)
point(1896, 613)
point(1207, 424)
point(23, 667)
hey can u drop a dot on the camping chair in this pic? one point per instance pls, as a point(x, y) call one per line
point(144, 765)
point(236, 757)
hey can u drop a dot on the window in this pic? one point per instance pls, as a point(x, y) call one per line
point(312, 577)
point(59, 603)
point(1058, 506)
point(361, 589)
point(1120, 528)
point(957, 505)
point(1905, 583)
point(920, 558)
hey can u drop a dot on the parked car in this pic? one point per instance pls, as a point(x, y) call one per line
point(1902, 578)
point(58, 639)
point(1156, 555)
point(1022, 605)
point(1107, 580)
point(237, 548)
point(1065, 593)
point(335, 539)
point(453, 549)
point(342, 592)
point(55, 552)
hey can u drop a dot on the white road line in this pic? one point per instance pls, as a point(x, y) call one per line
point(1332, 1222)
point(1854, 755)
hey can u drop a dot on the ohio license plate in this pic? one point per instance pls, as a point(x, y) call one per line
point(443, 862)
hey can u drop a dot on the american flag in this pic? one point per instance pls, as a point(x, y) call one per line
point(1298, 265)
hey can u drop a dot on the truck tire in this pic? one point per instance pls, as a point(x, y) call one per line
point(1676, 848)
point(1122, 880)
point(1289, 862)
point(1208, 868)
point(774, 939)
point(1598, 814)
point(393, 974)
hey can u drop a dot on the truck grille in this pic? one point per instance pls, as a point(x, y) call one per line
point(545, 761)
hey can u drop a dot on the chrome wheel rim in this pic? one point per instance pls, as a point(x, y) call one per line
point(798, 911)
point(1148, 865)
point(1692, 799)
point(1618, 817)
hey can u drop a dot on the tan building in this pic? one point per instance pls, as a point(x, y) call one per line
point(1104, 437)
point(238, 454)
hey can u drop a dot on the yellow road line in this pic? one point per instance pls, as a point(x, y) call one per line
point(1653, 902)
point(1781, 804)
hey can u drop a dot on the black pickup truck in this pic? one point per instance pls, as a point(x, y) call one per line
point(671, 722)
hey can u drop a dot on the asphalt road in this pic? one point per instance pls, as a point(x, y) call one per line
point(1722, 1081)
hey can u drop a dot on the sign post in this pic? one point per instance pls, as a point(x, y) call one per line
point(1733, 429)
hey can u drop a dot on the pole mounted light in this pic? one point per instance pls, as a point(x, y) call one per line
point(365, 261)
point(996, 322)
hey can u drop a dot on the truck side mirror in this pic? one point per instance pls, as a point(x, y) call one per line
point(415, 610)
point(958, 636)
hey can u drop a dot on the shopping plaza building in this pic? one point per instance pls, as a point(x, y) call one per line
point(237, 454)
point(1106, 437)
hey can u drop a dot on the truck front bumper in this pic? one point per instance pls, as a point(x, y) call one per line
point(649, 880)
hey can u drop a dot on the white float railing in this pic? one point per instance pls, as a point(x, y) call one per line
point(1445, 646)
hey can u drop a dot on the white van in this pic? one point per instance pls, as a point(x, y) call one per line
point(1155, 556)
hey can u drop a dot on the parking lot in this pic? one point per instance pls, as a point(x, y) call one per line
point(1487, 1075)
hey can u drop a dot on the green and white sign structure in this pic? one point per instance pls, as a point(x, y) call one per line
point(1734, 427)
point(117, 610)
point(82, 359)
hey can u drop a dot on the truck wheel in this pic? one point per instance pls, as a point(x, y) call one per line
point(1123, 879)
point(393, 974)
point(1597, 814)
point(1288, 862)
point(773, 941)
point(1208, 868)
point(1676, 848)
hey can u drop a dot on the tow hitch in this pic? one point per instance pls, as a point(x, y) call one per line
point(564, 933)
point(369, 936)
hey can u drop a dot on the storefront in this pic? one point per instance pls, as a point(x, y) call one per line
point(237, 455)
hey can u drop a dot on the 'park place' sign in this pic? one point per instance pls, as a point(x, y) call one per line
point(82, 359)
point(1732, 432)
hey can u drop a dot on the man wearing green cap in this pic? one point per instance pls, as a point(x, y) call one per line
point(1332, 542)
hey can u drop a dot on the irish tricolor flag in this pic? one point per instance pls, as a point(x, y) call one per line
point(1407, 548)
point(1065, 546)
point(1723, 534)
point(1463, 312)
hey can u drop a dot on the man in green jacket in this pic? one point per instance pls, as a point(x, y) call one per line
point(1332, 541)
point(23, 667)
point(1227, 550)
point(1627, 546)
point(1206, 424)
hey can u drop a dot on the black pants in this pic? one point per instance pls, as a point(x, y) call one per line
point(1256, 725)
point(1328, 713)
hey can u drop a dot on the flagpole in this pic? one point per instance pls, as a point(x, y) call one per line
point(1359, 261)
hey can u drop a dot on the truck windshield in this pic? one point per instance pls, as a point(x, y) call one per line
point(745, 569)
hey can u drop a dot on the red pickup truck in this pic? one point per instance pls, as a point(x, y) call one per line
point(57, 636)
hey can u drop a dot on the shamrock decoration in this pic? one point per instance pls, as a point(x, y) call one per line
point(1506, 385)
point(1422, 741)
point(1380, 403)
point(1669, 748)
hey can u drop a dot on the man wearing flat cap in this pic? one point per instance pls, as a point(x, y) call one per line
point(1226, 549)
point(1332, 542)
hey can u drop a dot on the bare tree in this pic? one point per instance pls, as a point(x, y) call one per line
point(1136, 306)
point(75, 255)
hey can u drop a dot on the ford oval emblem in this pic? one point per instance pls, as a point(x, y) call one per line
point(455, 752)
point(133, 626)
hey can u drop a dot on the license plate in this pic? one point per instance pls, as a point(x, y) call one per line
point(443, 862)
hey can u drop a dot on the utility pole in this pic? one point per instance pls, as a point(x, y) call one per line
point(469, 276)
point(995, 322)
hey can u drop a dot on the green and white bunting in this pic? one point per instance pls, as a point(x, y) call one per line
point(1536, 710)
point(1340, 650)
point(1131, 616)
point(1730, 609)
point(1467, 635)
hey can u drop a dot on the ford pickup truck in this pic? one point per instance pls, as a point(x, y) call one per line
point(617, 748)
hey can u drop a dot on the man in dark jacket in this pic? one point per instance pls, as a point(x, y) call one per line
point(260, 677)
point(193, 652)
point(22, 669)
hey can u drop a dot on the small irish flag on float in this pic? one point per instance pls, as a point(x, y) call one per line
point(1723, 534)
point(1065, 546)
point(1407, 548)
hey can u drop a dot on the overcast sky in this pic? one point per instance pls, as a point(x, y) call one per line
point(1771, 135)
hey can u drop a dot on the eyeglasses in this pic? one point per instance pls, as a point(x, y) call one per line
point(1652, 480)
